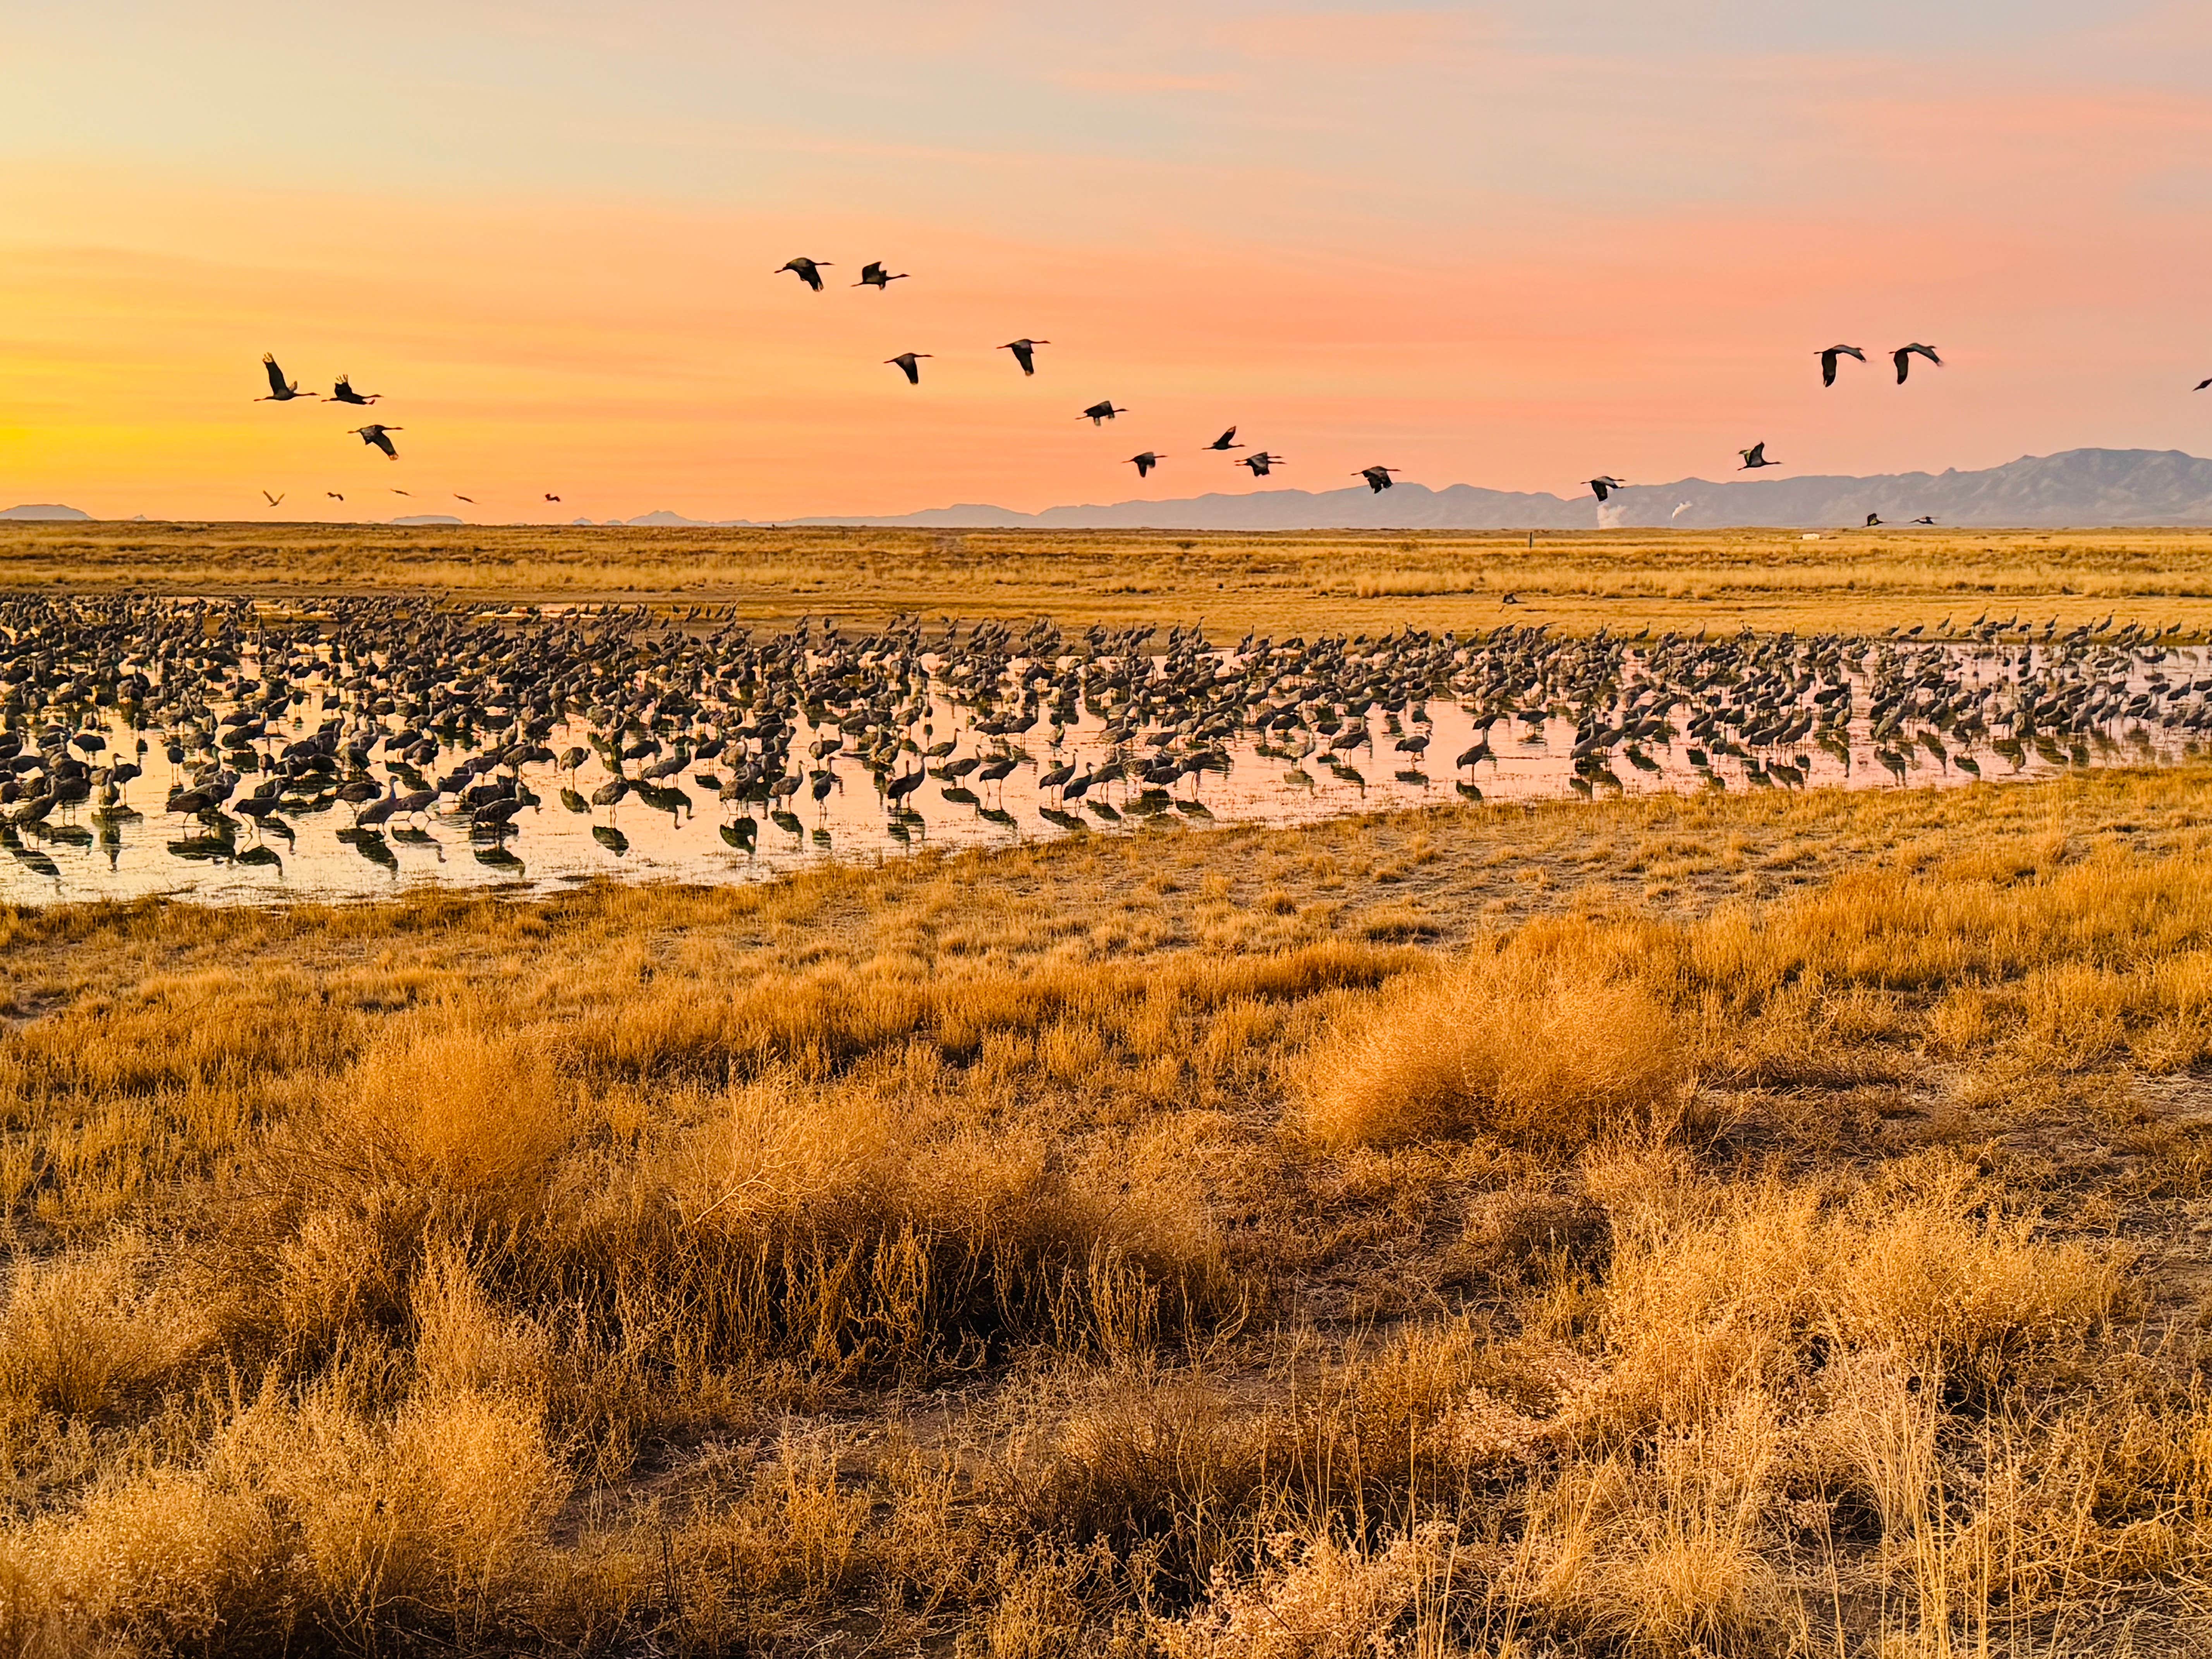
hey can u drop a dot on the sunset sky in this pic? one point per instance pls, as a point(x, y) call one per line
point(1510, 244)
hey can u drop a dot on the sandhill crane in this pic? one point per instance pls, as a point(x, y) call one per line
point(343, 393)
point(1227, 440)
point(374, 435)
point(1828, 361)
point(1904, 354)
point(457, 497)
point(2201, 385)
point(1145, 463)
point(909, 364)
point(1259, 461)
point(280, 391)
point(1100, 412)
point(1603, 488)
point(273, 501)
point(1378, 478)
point(1024, 352)
point(808, 271)
point(552, 498)
point(1754, 457)
point(1873, 519)
point(334, 494)
point(872, 275)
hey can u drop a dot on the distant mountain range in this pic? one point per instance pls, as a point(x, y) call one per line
point(2076, 488)
point(43, 512)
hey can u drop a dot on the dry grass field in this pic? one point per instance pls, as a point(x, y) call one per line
point(1655, 1227)
point(1737, 1225)
point(1277, 582)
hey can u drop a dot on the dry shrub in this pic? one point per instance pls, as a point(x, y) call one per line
point(95, 1334)
point(171, 1561)
point(792, 1542)
point(312, 1514)
point(1550, 1047)
point(1713, 1292)
point(1322, 1598)
point(1167, 1469)
point(479, 1112)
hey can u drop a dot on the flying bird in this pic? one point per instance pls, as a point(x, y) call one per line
point(1378, 478)
point(273, 501)
point(910, 361)
point(1226, 440)
point(1930, 519)
point(1873, 519)
point(343, 393)
point(552, 498)
point(334, 494)
point(2201, 385)
point(397, 491)
point(808, 271)
point(1145, 463)
point(1755, 458)
point(1100, 412)
point(280, 391)
point(1259, 461)
point(373, 435)
point(470, 500)
point(1680, 507)
point(1828, 361)
point(1603, 488)
point(1024, 352)
point(872, 275)
point(1903, 358)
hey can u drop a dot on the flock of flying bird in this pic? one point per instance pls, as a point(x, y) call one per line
point(1261, 463)
point(407, 717)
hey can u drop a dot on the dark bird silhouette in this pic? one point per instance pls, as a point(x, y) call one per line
point(1145, 463)
point(2201, 385)
point(1828, 361)
point(1378, 478)
point(1755, 458)
point(1259, 461)
point(552, 498)
point(280, 391)
point(343, 393)
point(911, 363)
point(1873, 519)
point(397, 491)
point(334, 494)
point(1100, 412)
point(808, 271)
point(1024, 352)
point(470, 500)
point(1226, 440)
point(872, 275)
point(374, 436)
point(1903, 358)
point(1603, 488)
point(1928, 520)
point(273, 501)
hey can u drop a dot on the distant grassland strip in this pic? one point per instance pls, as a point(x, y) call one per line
point(1288, 581)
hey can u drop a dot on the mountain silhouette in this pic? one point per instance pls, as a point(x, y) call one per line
point(2075, 487)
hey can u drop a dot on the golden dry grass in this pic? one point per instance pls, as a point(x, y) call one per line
point(1659, 1227)
point(1280, 581)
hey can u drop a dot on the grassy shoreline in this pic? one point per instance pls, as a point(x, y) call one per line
point(1662, 1226)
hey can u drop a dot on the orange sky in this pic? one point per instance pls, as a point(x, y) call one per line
point(1455, 239)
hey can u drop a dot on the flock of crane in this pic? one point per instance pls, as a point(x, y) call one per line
point(401, 719)
point(1261, 463)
